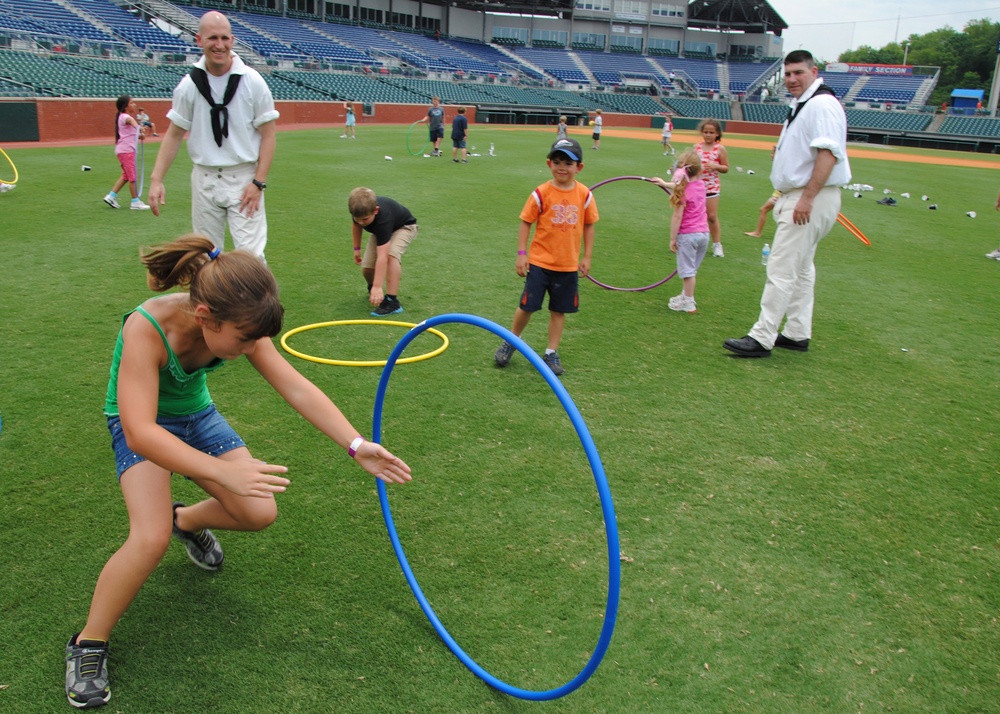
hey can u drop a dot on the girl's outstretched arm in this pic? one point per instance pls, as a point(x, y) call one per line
point(669, 185)
point(310, 401)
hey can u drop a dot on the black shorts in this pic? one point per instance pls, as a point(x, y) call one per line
point(437, 133)
point(562, 288)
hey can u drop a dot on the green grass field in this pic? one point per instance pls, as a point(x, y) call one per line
point(811, 532)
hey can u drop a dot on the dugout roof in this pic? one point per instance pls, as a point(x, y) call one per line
point(753, 16)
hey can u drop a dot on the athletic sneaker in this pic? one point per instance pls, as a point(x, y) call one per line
point(139, 206)
point(995, 255)
point(87, 684)
point(503, 354)
point(552, 360)
point(717, 250)
point(389, 306)
point(682, 303)
point(111, 201)
point(202, 547)
point(675, 300)
point(343, 136)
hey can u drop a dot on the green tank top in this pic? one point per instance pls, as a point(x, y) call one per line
point(181, 393)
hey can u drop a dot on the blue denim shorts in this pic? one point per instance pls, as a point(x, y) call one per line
point(208, 431)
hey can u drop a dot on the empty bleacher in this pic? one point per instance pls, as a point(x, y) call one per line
point(51, 77)
point(971, 126)
point(304, 37)
point(893, 121)
point(557, 63)
point(144, 80)
point(129, 27)
point(375, 64)
point(705, 108)
point(55, 19)
point(449, 92)
point(613, 69)
point(840, 82)
point(889, 89)
point(742, 75)
point(704, 73)
point(764, 113)
point(625, 103)
point(351, 87)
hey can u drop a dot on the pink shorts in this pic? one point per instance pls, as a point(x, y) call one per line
point(128, 166)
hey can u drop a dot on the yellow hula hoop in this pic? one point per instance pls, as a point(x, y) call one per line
point(9, 161)
point(361, 363)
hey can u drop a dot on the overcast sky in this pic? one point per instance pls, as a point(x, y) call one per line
point(819, 25)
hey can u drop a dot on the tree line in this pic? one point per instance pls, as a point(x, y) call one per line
point(967, 58)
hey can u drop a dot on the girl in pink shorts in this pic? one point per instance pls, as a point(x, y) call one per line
point(127, 136)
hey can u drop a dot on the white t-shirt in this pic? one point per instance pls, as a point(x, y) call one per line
point(252, 106)
point(821, 124)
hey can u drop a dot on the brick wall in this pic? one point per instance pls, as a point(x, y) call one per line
point(93, 119)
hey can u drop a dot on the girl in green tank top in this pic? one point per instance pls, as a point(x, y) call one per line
point(165, 350)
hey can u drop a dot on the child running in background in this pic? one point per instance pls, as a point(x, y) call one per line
point(127, 136)
point(563, 212)
point(668, 132)
point(349, 122)
point(764, 210)
point(162, 421)
point(714, 161)
point(562, 129)
point(689, 225)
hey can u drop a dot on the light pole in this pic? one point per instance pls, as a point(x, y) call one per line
point(906, 49)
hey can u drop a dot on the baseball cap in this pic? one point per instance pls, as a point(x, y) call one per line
point(570, 147)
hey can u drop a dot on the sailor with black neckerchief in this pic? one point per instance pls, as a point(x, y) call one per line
point(228, 111)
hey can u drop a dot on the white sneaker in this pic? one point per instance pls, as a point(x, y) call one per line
point(717, 250)
point(138, 206)
point(675, 300)
point(683, 304)
point(995, 255)
point(343, 136)
point(111, 201)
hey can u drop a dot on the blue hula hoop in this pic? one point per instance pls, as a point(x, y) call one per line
point(607, 508)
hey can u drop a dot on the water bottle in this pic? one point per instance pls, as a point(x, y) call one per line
point(765, 253)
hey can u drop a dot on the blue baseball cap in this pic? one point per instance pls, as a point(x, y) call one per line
point(570, 147)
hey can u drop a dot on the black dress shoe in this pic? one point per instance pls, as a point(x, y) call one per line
point(746, 347)
point(790, 344)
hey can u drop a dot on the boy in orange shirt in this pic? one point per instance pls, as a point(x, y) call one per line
point(564, 213)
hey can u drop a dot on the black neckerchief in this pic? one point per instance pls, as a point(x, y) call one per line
point(792, 113)
point(220, 114)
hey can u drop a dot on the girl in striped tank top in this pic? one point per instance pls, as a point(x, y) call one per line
point(714, 161)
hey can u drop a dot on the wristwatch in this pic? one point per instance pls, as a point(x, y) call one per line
point(259, 184)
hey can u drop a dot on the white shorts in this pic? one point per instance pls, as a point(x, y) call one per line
point(215, 200)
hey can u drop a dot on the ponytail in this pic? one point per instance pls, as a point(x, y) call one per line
point(121, 104)
point(236, 287)
point(689, 163)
